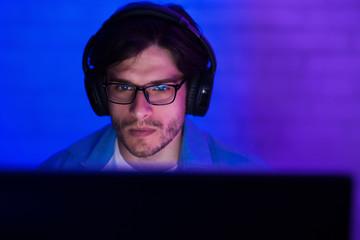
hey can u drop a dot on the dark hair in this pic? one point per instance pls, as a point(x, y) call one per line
point(118, 40)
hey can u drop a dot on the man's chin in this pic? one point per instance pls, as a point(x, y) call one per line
point(147, 142)
point(143, 152)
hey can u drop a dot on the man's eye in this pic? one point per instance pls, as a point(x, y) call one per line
point(160, 88)
point(124, 88)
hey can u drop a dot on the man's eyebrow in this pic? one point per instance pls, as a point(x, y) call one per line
point(162, 81)
point(119, 80)
point(155, 82)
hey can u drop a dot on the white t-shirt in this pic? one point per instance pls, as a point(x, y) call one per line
point(117, 162)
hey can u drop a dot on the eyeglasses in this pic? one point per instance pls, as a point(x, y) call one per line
point(162, 94)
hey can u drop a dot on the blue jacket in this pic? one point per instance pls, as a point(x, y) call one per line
point(199, 151)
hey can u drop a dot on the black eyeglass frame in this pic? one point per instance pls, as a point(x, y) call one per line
point(143, 89)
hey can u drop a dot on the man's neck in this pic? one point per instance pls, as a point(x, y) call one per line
point(165, 159)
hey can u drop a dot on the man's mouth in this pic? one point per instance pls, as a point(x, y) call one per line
point(141, 132)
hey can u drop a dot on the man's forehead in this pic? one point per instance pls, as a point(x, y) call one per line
point(151, 54)
point(121, 76)
point(153, 64)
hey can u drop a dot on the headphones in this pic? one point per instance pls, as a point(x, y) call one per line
point(201, 85)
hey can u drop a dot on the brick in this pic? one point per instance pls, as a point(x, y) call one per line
point(338, 4)
point(335, 19)
point(334, 87)
point(355, 42)
point(286, 3)
point(295, 42)
point(223, 17)
point(278, 66)
point(334, 111)
point(306, 3)
point(334, 65)
point(230, 42)
point(285, 17)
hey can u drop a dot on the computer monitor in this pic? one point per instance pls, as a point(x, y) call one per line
point(174, 206)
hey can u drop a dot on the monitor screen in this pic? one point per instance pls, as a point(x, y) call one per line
point(174, 206)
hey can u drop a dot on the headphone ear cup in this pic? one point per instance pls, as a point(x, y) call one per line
point(199, 94)
point(192, 92)
point(96, 93)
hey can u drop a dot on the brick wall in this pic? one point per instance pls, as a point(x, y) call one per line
point(305, 82)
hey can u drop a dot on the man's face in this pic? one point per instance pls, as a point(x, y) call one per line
point(144, 129)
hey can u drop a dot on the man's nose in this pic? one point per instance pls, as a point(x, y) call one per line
point(141, 109)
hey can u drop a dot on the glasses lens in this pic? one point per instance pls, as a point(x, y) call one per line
point(120, 93)
point(161, 94)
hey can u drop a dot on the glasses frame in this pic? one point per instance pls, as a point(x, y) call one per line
point(143, 89)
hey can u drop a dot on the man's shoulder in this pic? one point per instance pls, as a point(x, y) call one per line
point(227, 157)
point(221, 155)
point(95, 146)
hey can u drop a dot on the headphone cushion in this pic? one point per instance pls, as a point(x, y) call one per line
point(96, 93)
point(192, 92)
point(199, 94)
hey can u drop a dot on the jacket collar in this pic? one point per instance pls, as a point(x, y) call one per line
point(95, 151)
point(194, 153)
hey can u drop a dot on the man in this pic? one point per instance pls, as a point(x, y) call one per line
point(147, 67)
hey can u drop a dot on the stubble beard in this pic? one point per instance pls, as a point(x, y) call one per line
point(141, 148)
